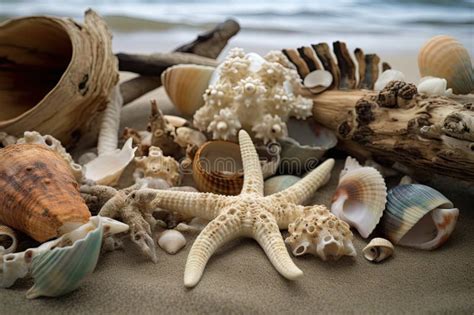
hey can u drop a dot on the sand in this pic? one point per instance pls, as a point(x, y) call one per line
point(240, 279)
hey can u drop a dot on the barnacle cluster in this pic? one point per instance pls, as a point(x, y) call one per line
point(253, 93)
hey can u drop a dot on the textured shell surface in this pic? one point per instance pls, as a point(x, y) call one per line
point(418, 216)
point(445, 57)
point(278, 183)
point(386, 77)
point(217, 168)
point(40, 196)
point(185, 86)
point(157, 166)
point(61, 269)
point(171, 241)
point(378, 250)
point(360, 197)
point(106, 169)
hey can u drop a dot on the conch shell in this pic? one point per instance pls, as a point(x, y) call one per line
point(57, 77)
point(40, 196)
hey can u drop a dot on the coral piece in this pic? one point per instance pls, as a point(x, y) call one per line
point(8, 240)
point(320, 233)
point(171, 241)
point(39, 195)
point(162, 132)
point(378, 250)
point(6, 139)
point(249, 92)
point(250, 214)
point(155, 165)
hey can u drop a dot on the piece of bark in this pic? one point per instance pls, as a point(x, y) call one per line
point(385, 66)
point(429, 134)
point(138, 86)
point(308, 55)
point(300, 64)
point(157, 63)
point(371, 71)
point(346, 66)
point(360, 58)
point(324, 54)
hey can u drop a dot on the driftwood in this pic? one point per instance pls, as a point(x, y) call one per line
point(209, 45)
point(421, 133)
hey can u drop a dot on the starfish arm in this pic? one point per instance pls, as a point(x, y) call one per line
point(253, 178)
point(305, 188)
point(222, 229)
point(286, 214)
point(268, 235)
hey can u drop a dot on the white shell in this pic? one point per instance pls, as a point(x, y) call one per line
point(386, 77)
point(107, 169)
point(360, 197)
point(171, 241)
point(378, 250)
point(8, 240)
point(318, 80)
point(432, 86)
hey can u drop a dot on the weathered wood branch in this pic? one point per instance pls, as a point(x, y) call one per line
point(209, 44)
point(431, 134)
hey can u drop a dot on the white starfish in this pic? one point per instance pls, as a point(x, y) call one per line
point(249, 214)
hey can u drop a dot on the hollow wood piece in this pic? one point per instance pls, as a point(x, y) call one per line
point(324, 54)
point(360, 58)
point(308, 55)
point(346, 66)
point(294, 57)
point(430, 134)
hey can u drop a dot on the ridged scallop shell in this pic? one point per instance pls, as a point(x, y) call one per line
point(171, 241)
point(360, 197)
point(217, 168)
point(185, 86)
point(39, 195)
point(445, 57)
point(378, 250)
point(8, 240)
point(418, 216)
point(279, 183)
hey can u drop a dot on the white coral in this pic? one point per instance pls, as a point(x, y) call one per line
point(218, 95)
point(270, 128)
point(302, 107)
point(225, 125)
point(250, 92)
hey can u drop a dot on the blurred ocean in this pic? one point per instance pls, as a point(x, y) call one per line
point(380, 25)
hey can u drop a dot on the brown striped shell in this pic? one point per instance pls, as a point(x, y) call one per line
point(39, 195)
point(217, 168)
point(445, 57)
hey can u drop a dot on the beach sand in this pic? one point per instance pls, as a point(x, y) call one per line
point(240, 279)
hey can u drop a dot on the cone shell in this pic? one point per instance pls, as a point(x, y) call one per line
point(58, 77)
point(445, 57)
point(418, 216)
point(60, 270)
point(217, 168)
point(378, 250)
point(40, 196)
point(360, 197)
point(185, 86)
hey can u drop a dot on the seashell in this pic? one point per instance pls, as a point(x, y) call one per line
point(106, 169)
point(8, 240)
point(196, 225)
point(176, 121)
point(52, 62)
point(445, 57)
point(432, 86)
point(278, 183)
point(418, 216)
point(318, 81)
point(360, 197)
point(306, 144)
point(6, 139)
point(52, 143)
point(270, 158)
point(386, 77)
point(217, 168)
point(40, 196)
point(320, 233)
point(186, 136)
point(185, 86)
point(378, 250)
point(171, 241)
point(157, 166)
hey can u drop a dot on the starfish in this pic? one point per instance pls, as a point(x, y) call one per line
point(250, 214)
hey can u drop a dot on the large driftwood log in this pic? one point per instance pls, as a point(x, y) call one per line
point(209, 44)
point(430, 134)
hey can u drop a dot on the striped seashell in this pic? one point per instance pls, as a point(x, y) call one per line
point(445, 57)
point(217, 168)
point(418, 216)
point(360, 197)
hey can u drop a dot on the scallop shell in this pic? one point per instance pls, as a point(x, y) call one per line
point(106, 169)
point(185, 86)
point(378, 250)
point(318, 81)
point(279, 183)
point(445, 57)
point(217, 168)
point(8, 240)
point(171, 241)
point(59, 75)
point(418, 216)
point(40, 196)
point(360, 197)
point(386, 77)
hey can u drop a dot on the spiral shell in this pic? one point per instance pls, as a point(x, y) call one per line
point(445, 57)
point(40, 196)
point(217, 168)
point(8, 240)
point(378, 250)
